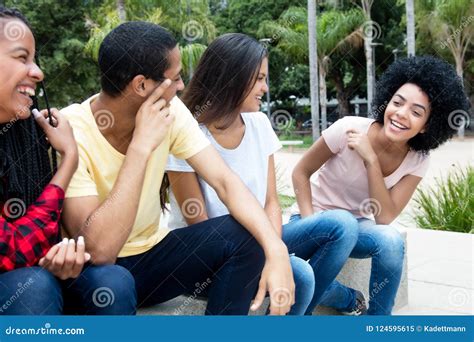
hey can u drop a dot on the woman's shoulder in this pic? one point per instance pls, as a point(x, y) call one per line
point(356, 121)
point(255, 117)
point(257, 120)
point(418, 158)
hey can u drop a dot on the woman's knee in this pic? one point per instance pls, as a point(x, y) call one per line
point(303, 275)
point(390, 243)
point(343, 224)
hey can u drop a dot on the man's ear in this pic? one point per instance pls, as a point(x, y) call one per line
point(139, 86)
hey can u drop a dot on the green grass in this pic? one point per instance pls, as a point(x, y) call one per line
point(449, 205)
point(286, 201)
point(307, 140)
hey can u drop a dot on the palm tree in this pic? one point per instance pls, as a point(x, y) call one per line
point(190, 56)
point(313, 67)
point(337, 32)
point(175, 18)
point(368, 35)
point(122, 14)
point(450, 24)
point(410, 8)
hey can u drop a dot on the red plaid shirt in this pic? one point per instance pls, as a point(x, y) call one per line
point(27, 239)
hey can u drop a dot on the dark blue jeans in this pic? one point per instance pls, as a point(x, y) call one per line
point(99, 290)
point(218, 257)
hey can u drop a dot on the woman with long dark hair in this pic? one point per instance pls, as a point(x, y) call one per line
point(225, 96)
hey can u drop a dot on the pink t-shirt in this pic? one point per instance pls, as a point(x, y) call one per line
point(342, 182)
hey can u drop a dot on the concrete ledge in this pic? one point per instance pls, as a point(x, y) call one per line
point(291, 143)
point(355, 274)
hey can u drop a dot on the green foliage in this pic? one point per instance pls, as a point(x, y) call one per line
point(98, 34)
point(449, 205)
point(190, 25)
point(69, 34)
point(190, 55)
point(246, 15)
point(293, 81)
point(286, 201)
point(445, 27)
point(337, 30)
point(287, 128)
point(61, 36)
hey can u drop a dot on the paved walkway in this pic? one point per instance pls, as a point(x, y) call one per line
point(440, 264)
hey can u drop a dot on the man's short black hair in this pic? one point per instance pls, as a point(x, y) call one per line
point(131, 49)
point(445, 91)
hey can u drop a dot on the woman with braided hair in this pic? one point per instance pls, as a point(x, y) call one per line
point(35, 268)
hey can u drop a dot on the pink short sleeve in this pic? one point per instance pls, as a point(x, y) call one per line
point(335, 134)
point(422, 167)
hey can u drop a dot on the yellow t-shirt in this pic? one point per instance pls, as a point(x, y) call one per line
point(100, 163)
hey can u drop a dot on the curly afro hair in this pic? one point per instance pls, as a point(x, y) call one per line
point(440, 83)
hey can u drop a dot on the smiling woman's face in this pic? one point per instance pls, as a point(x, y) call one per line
point(19, 73)
point(407, 113)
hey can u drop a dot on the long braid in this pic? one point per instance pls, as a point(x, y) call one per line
point(25, 162)
point(25, 166)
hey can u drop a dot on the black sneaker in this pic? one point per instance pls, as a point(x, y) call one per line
point(360, 307)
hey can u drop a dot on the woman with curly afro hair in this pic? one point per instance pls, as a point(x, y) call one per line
point(372, 166)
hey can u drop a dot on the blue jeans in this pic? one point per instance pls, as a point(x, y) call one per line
point(303, 277)
point(385, 246)
point(99, 290)
point(218, 257)
point(325, 239)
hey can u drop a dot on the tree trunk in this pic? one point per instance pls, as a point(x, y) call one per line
point(313, 68)
point(322, 98)
point(366, 6)
point(341, 93)
point(122, 14)
point(410, 27)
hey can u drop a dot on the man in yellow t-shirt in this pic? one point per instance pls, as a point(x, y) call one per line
point(125, 134)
